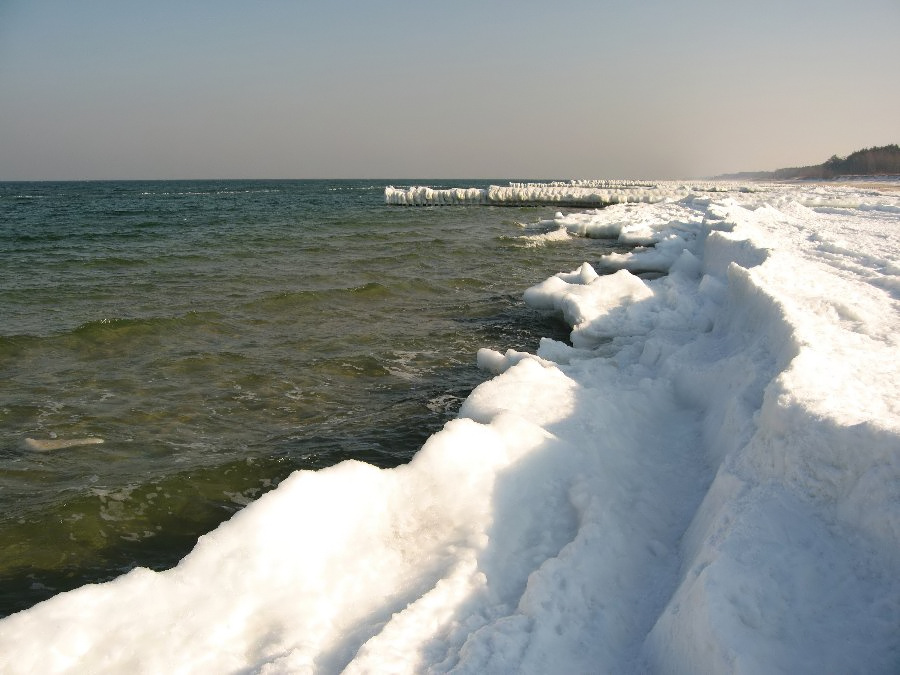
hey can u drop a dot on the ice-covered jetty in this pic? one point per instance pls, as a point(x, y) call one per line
point(577, 193)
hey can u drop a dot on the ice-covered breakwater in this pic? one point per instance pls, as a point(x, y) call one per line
point(576, 193)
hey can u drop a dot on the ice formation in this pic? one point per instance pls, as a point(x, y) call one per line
point(571, 193)
point(704, 481)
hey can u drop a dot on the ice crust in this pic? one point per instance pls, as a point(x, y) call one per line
point(704, 481)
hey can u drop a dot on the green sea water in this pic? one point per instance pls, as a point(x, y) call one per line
point(218, 335)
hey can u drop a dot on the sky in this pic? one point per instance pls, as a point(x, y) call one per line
point(119, 89)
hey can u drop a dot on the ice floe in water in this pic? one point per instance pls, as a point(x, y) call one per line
point(48, 444)
point(703, 481)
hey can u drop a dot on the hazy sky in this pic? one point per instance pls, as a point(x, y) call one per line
point(548, 89)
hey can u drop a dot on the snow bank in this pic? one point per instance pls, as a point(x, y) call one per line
point(705, 481)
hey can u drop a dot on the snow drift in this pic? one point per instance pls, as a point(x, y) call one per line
point(703, 481)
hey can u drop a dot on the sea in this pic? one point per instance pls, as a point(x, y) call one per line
point(217, 336)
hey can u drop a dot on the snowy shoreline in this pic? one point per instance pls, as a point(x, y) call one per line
point(704, 481)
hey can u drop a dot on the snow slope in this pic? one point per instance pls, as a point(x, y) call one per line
point(704, 481)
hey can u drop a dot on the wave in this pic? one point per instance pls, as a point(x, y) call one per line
point(116, 329)
point(114, 262)
point(208, 193)
point(286, 299)
point(541, 234)
point(116, 335)
point(37, 237)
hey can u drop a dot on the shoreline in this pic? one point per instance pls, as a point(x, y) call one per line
point(703, 477)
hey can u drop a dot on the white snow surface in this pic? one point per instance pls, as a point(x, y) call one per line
point(706, 481)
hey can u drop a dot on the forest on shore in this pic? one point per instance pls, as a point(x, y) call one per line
point(866, 162)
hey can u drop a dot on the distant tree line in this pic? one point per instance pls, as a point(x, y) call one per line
point(865, 162)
